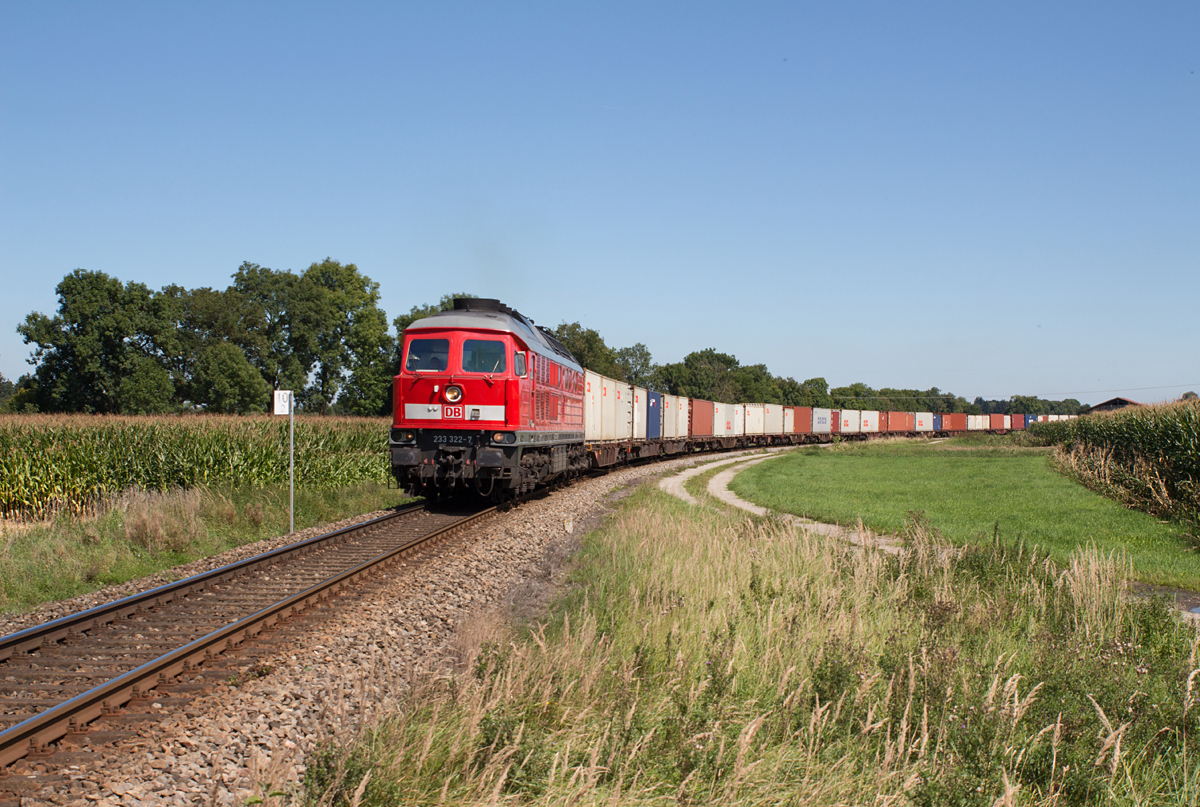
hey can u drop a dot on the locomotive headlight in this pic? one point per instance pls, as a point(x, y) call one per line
point(402, 436)
point(453, 394)
point(504, 437)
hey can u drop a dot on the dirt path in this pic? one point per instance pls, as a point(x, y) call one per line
point(718, 488)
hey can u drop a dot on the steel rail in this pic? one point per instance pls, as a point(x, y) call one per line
point(72, 624)
point(69, 717)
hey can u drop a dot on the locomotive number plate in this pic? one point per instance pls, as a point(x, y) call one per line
point(452, 439)
point(451, 412)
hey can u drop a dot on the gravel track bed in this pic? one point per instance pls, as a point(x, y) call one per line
point(345, 668)
point(11, 623)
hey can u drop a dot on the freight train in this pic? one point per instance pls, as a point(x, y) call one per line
point(488, 403)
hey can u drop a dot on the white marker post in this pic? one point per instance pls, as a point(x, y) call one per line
point(284, 406)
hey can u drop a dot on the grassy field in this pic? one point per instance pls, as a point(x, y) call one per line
point(968, 490)
point(140, 533)
point(707, 657)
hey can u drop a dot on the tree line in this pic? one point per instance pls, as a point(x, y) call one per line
point(714, 376)
point(115, 347)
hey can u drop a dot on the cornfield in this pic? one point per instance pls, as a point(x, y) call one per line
point(50, 463)
point(1150, 452)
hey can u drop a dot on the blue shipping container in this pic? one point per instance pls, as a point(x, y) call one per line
point(937, 423)
point(654, 415)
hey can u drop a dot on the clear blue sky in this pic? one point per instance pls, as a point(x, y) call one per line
point(997, 201)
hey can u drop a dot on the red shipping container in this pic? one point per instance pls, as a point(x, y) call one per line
point(835, 417)
point(700, 424)
point(1018, 421)
point(954, 423)
point(802, 419)
point(898, 422)
point(996, 423)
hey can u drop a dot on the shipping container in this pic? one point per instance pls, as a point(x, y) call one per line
point(802, 419)
point(700, 418)
point(923, 421)
point(624, 410)
point(1019, 421)
point(592, 414)
point(956, 422)
point(995, 422)
point(1008, 422)
point(608, 408)
point(850, 421)
point(789, 420)
point(821, 420)
point(683, 413)
point(640, 413)
point(755, 419)
point(900, 422)
point(668, 416)
point(937, 423)
point(739, 420)
point(773, 416)
point(835, 420)
point(869, 421)
point(654, 415)
point(977, 423)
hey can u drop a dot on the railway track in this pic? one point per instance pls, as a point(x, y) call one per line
point(57, 678)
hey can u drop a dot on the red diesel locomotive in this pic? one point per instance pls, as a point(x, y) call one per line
point(485, 402)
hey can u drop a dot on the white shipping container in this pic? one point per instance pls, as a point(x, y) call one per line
point(639, 413)
point(851, 421)
point(1008, 421)
point(624, 428)
point(755, 418)
point(773, 413)
point(682, 413)
point(789, 420)
point(668, 411)
point(923, 421)
point(869, 421)
point(977, 422)
point(592, 417)
point(822, 421)
point(739, 420)
point(608, 408)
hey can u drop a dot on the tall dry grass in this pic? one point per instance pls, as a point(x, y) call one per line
point(711, 659)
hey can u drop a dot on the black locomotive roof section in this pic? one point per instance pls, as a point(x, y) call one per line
point(482, 312)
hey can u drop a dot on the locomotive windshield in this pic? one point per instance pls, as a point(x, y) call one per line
point(484, 356)
point(427, 354)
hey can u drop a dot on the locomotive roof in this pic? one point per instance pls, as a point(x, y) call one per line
point(493, 315)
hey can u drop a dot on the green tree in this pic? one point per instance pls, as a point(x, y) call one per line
point(589, 349)
point(103, 331)
point(351, 337)
point(757, 385)
point(280, 319)
point(226, 382)
point(636, 365)
point(1026, 405)
point(7, 388)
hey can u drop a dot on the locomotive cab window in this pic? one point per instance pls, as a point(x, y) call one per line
point(484, 356)
point(425, 355)
point(519, 365)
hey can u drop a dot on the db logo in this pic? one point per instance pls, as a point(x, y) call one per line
point(452, 412)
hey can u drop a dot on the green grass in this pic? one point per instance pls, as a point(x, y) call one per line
point(968, 489)
point(142, 533)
